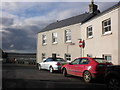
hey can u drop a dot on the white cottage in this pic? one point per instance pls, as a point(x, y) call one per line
point(99, 30)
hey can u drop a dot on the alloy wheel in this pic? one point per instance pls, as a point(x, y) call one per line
point(64, 72)
point(39, 67)
point(114, 84)
point(51, 69)
point(87, 76)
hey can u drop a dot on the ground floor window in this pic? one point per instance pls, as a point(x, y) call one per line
point(43, 56)
point(68, 57)
point(107, 57)
point(54, 55)
point(89, 55)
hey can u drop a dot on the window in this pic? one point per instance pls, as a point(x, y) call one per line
point(89, 55)
point(84, 61)
point(43, 56)
point(68, 57)
point(100, 60)
point(89, 32)
point(106, 25)
point(67, 35)
point(107, 57)
point(44, 39)
point(76, 61)
point(54, 38)
point(49, 60)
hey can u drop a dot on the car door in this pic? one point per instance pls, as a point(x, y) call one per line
point(71, 68)
point(47, 63)
point(81, 66)
point(43, 64)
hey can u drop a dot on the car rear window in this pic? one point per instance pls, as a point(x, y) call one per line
point(101, 60)
point(58, 59)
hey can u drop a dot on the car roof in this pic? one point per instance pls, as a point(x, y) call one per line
point(55, 58)
point(90, 57)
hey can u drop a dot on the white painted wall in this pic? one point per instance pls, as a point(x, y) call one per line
point(61, 47)
point(98, 45)
point(102, 44)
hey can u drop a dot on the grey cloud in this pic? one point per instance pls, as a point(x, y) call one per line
point(22, 35)
point(6, 21)
point(20, 39)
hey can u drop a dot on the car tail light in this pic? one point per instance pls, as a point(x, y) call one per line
point(58, 64)
point(100, 67)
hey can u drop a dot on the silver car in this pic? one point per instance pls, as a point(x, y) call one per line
point(52, 64)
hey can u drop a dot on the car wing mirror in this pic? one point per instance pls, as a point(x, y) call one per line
point(70, 64)
point(44, 61)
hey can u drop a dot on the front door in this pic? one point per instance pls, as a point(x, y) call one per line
point(53, 55)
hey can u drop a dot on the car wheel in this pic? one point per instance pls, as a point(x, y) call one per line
point(39, 67)
point(51, 69)
point(87, 76)
point(64, 72)
point(113, 84)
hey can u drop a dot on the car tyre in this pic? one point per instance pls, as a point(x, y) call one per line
point(51, 69)
point(64, 72)
point(87, 76)
point(39, 67)
point(113, 84)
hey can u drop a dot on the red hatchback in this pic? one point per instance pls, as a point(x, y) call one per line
point(86, 67)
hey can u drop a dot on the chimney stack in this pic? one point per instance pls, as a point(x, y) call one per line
point(92, 7)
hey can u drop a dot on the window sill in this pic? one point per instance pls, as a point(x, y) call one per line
point(44, 44)
point(55, 43)
point(68, 41)
point(107, 33)
point(90, 37)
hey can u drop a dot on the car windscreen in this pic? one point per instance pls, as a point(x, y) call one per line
point(101, 60)
point(58, 59)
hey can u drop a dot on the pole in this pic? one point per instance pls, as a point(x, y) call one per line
point(81, 52)
point(67, 48)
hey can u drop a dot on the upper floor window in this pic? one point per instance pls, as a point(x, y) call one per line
point(89, 32)
point(106, 26)
point(54, 38)
point(44, 39)
point(67, 35)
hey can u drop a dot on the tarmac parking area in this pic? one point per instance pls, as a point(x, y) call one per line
point(28, 76)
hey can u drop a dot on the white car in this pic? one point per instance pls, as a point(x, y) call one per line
point(52, 64)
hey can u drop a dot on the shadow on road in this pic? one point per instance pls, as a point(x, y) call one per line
point(29, 84)
point(29, 77)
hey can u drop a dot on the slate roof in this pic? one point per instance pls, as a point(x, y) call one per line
point(68, 21)
point(76, 19)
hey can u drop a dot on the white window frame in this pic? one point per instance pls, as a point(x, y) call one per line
point(43, 56)
point(89, 55)
point(68, 35)
point(68, 57)
point(44, 39)
point(54, 38)
point(106, 27)
point(90, 31)
point(108, 57)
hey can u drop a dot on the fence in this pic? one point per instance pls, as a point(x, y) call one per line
point(31, 61)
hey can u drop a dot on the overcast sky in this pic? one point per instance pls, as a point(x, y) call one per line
point(22, 20)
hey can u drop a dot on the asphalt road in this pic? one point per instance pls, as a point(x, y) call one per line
point(29, 77)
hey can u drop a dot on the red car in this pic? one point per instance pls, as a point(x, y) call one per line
point(86, 67)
